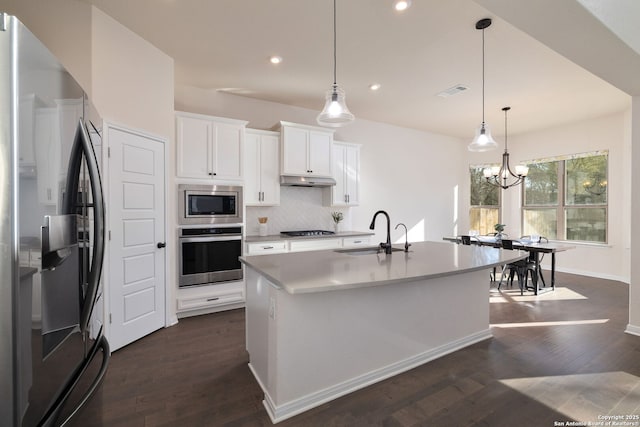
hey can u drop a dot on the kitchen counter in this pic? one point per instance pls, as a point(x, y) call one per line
point(329, 270)
point(321, 324)
point(276, 237)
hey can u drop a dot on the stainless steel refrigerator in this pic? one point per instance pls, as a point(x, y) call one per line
point(53, 354)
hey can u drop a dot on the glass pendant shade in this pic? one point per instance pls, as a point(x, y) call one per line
point(335, 112)
point(483, 141)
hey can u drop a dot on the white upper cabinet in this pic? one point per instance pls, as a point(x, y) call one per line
point(306, 150)
point(261, 165)
point(209, 147)
point(346, 172)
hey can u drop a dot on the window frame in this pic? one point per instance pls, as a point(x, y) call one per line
point(498, 207)
point(562, 205)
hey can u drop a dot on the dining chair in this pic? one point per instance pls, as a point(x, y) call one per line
point(521, 269)
point(536, 261)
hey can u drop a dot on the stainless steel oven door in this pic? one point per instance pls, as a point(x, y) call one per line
point(209, 259)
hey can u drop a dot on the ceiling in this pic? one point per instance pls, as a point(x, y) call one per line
point(224, 45)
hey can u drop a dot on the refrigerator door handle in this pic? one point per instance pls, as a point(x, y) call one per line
point(82, 147)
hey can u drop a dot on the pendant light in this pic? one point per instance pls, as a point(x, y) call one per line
point(483, 140)
point(335, 112)
point(499, 176)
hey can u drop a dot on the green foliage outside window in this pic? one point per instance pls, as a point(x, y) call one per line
point(484, 201)
point(567, 199)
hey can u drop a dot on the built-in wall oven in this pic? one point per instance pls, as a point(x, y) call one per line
point(209, 255)
point(209, 204)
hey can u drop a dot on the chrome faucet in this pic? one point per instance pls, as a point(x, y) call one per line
point(385, 246)
point(406, 237)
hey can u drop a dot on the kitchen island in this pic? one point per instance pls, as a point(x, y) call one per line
point(322, 324)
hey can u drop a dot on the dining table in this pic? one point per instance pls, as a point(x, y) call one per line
point(535, 248)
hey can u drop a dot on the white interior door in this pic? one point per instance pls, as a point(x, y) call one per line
point(137, 232)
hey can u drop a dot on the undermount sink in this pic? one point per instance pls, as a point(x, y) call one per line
point(365, 251)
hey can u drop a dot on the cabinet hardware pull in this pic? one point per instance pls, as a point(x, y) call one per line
point(161, 245)
point(213, 299)
point(357, 241)
point(267, 247)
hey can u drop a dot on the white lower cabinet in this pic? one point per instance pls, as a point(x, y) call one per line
point(314, 244)
point(353, 242)
point(210, 298)
point(283, 246)
point(265, 248)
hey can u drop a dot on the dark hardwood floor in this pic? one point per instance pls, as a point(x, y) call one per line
point(553, 358)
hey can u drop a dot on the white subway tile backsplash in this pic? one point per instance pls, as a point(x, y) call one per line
point(300, 208)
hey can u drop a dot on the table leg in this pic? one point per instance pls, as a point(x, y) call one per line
point(553, 270)
point(553, 275)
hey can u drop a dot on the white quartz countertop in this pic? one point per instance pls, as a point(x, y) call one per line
point(330, 270)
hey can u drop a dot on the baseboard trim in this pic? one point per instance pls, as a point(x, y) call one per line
point(282, 412)
point(633, 330)
point(592, 274)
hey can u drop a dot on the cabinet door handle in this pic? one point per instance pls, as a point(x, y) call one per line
point(213, 299)
point(348, 198)
point(267, 247)
point(357, 241)
point(161, 245)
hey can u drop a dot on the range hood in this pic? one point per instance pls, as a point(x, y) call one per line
point(306, 181)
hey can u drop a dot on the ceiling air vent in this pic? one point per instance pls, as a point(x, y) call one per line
point(452, 91)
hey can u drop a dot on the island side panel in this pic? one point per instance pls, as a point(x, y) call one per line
point(326, 344)
point(259, 330)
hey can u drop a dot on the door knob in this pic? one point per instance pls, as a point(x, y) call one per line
point(161, 245)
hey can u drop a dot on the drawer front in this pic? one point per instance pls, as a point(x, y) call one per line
point(349, 242)
point(264, 248)
point(314, 245)
point(211, 300)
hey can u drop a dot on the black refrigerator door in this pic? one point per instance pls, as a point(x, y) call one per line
point(74, 391)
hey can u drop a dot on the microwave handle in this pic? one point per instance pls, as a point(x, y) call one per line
point(209, 239)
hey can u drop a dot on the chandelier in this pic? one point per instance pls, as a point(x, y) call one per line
point(500, 175)
point(596, 186)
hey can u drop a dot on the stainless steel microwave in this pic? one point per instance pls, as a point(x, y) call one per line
point(209, 204)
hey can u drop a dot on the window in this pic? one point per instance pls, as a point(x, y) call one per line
point(566, 198)
point(484, 201)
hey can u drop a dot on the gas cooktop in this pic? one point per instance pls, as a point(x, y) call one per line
point(299, 233)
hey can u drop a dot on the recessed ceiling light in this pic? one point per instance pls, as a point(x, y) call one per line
point(275, 59)
point(401, 5)
point(374, 86)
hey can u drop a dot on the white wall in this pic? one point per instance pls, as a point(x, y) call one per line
point(606, 133)
point(401, 169)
